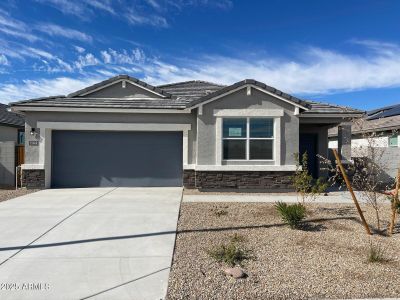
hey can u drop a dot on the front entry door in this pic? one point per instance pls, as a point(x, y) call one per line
point(309, 142)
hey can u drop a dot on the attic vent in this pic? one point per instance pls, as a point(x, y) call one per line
point(123, 84)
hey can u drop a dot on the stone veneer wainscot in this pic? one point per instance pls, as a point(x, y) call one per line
point(266, 180)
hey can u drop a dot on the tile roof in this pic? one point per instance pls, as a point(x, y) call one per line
point(116, 78)
point(268, 88)
point(10, 118)
point(188, 91)
point(178, 95)
point(326, 108)
point(85, 102)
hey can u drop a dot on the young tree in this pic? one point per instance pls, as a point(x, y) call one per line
point(306, 186)
point(368, 175)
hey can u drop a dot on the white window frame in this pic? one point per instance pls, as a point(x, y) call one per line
point(248, 138)
point(393, 136)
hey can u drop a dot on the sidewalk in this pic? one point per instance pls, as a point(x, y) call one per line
point(333, 197)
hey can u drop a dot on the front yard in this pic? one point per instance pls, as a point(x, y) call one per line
point(326, 259)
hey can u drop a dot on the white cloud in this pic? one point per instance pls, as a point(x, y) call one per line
point(3, 60)
point(122, 57)
point(79, 49)
point(68, 7)
point(56, 30)
point(41, 53)
point(154, 13)
point(106, 57)
point(15, 28)
point(315, 71)
point(8, 21)
point(102, 5)
point(43, 87)
point(136, 18)
point(86, 60)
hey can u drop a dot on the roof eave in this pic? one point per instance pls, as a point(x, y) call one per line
point(165, 109)
point(311, 114)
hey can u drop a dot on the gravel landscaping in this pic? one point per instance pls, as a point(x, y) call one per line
point(326, 259)
point(6, 194)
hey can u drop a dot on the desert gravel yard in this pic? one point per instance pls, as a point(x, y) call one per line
point(326, 259)
point(7, 194)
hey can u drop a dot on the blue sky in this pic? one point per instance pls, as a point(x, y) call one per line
point(344, 52)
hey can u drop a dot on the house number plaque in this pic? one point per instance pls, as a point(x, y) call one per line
point(33, 143)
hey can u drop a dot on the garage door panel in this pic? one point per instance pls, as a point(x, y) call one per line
point(85, 159)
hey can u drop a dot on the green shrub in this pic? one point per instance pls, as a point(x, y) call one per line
point(291, 214)
point(376, 254)
point(220, 213)
point(230, 254)
point(237, 238)
point(306, 186)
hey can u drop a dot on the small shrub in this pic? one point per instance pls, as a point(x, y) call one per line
point(306, 186)
point(237, 238)
point(291, 214)
point(376, 254)
point(230, 254)
point(220, 212)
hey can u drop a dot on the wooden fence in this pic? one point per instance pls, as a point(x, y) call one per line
point(19, 155)
point(19, 160)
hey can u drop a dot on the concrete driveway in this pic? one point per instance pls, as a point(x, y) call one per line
point(97, 243)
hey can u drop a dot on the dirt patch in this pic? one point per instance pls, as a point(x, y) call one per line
point(327, 259)
point(6, 194)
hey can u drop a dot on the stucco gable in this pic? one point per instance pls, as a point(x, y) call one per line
point(122, 89)
point(249, 85)
point(122, 86)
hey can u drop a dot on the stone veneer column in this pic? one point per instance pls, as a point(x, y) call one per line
point(344, 141)
point(33, 179)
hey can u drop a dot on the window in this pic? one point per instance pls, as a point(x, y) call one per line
point(393, 141)
point(21, 136)
point(248, 138)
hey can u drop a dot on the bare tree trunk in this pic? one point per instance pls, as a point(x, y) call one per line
point(378, 220)
point(395, 201)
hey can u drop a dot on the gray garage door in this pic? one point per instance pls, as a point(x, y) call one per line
point(96, 159)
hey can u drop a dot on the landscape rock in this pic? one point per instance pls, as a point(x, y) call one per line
point(235, 272)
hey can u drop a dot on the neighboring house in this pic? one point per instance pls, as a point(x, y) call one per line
point(12, 126)
point(378, 128)
point(11, 134)
point(196, 134)
point(383, 122)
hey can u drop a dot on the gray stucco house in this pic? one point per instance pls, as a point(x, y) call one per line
point(11, 134)
point(11, 125)
point(196, 134)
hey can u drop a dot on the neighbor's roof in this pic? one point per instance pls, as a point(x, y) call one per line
point(372, 122)
point(10, 118)
point(178, 95)
point(384, 112)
